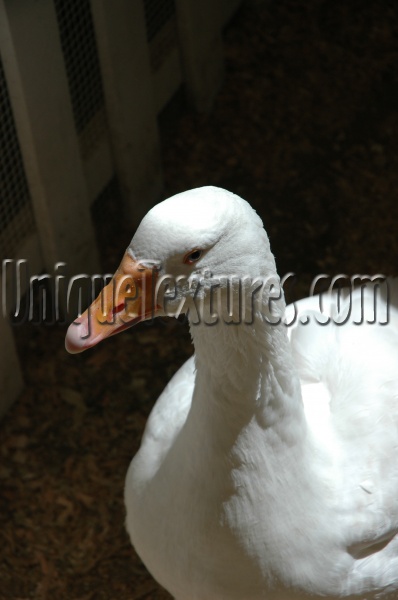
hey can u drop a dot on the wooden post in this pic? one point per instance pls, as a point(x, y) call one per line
point(35, 73)
point(34, 68)
point(127, 81)
point(199, 31)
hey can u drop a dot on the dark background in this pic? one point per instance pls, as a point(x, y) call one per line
point(304, 128)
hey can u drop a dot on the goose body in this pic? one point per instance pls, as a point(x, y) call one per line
point(268, 468)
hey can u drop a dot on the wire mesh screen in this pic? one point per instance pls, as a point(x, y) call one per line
point(16, 213)
point(107, 215)
point(161, 29)
point(76, 30)
point(157, 14)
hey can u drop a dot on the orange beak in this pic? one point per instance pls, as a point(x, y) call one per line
point(125, 301)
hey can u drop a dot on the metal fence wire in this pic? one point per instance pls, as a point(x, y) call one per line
point(161, 29)
point(157, 14)
point(16, 213)
point(79, 48)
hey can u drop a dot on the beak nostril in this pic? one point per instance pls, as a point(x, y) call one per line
point(133, 294)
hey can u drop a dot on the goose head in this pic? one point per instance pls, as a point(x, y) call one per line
point(206, 232)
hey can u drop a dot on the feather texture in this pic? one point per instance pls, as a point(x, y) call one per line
point(268, 467)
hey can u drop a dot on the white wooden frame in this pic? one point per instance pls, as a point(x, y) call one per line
point(43, 117)
point(126, 75)
point(38, 88)
point(62, 185)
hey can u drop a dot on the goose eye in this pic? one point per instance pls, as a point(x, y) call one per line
point(192, 257)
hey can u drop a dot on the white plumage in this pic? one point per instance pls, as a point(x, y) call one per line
point(269, 465)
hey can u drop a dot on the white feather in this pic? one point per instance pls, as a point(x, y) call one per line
point(268, 467)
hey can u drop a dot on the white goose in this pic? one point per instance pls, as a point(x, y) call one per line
point(269, 465)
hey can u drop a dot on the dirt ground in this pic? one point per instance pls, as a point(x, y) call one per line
point(305, 128)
